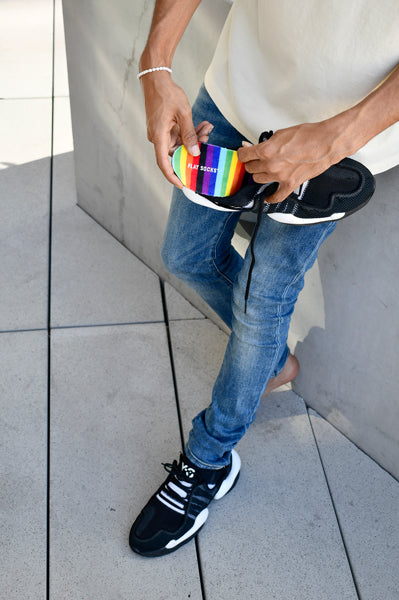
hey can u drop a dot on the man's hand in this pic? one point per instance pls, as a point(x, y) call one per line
point(169, 121)
point(293, 155)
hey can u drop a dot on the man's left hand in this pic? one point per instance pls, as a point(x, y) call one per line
point(293, 155)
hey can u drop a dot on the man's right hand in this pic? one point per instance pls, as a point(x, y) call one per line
point(169, 121)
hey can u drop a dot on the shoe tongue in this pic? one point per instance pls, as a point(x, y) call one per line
point(191, 472)
point(188, 471)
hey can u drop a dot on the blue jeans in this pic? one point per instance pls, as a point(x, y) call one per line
point(197, 249)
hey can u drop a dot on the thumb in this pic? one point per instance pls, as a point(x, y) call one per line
point(189, 137)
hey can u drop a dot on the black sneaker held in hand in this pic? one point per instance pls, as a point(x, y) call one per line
point(178, 510)
point(341, 190)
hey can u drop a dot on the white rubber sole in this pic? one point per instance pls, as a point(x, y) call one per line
point(230, 480)
point(290, 219)
point(286, 218)
point(203, 515)
point(198, 199)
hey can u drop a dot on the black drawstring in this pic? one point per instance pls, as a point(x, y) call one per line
point(252, 245)
point(261, 208)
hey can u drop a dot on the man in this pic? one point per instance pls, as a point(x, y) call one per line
point(323, 76)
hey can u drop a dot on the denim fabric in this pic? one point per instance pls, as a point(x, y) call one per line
point(197, 249)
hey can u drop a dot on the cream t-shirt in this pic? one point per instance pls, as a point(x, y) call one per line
point(283, 62)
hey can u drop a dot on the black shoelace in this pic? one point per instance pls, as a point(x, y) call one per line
point(175, 492)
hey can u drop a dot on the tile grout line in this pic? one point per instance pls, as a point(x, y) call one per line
point(344, 435)
point(334, 508)
point(23, 330)
point(107, 324)
point(115, 324)
point(308, 407)
point(50, 230)
point(203, 317)
point(116, 239)
point(199, 563)
point(179, 417)
point(172, 364)
point(140, 260)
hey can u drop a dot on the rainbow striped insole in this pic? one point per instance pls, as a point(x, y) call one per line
point(215, 172)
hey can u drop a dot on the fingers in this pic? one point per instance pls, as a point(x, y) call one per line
point(188, 134)
point(169, 122)
point(283, 191)
point(257, 168)
point(185, 134)
point(263, 169)
point(161, 147)
point(203, 130)
point(248, 152)
point(201, 133)
point(255, 161)
point(175, 139)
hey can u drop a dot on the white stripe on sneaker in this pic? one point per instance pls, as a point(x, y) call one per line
point(178, 490)
point(166, 496)
point(302, 189)
point(181, 512)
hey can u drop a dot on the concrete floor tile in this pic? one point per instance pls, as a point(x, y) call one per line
point(179, 307)
point(276, 531)
point(24, 212)
point(279, 519)
point(198, 350)
point(96, 280)
point(114, 421)
point(23, 465)
point(367, 501)
point(25, 131)
point(26, 33)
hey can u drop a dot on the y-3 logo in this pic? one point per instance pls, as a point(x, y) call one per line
point(188, 471)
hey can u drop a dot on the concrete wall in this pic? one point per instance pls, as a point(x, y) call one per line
point(118, 182)
point(345, 330)
point(346, 327)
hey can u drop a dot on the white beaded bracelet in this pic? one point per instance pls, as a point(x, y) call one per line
point(139, 75)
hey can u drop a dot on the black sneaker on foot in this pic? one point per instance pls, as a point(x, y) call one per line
point(178, 510)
